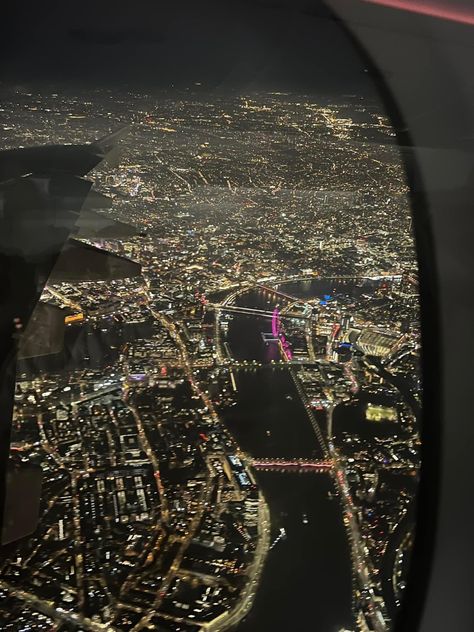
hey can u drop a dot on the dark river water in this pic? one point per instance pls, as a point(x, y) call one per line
point(306, 582)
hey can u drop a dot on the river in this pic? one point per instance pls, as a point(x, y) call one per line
point(306, 583)
point(307, 576)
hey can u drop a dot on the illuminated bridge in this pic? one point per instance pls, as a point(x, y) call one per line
point(293, 465)
point(341, 277)
point(272, 290)
point(251, 311)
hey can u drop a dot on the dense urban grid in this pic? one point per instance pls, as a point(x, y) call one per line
point(276, 247)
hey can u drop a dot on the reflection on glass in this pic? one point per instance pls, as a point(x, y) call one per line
point(228, 430)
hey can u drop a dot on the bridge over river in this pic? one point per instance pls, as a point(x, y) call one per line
point(293, 465)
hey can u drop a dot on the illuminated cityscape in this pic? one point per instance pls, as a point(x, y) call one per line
point(229, 435)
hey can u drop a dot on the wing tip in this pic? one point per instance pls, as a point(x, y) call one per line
point(109, 142)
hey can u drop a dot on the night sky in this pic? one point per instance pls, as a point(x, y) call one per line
point(228, 44)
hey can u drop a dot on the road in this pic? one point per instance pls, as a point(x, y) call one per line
point(231, 618)
point(360, 559)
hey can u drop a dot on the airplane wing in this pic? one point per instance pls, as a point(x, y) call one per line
point(42, 193)
point(49, 160)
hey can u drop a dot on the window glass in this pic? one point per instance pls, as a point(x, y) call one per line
point(219, 389)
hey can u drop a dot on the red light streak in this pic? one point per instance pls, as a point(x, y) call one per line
point(463, 15)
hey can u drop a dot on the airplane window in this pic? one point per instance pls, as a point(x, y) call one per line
point(211, 309)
